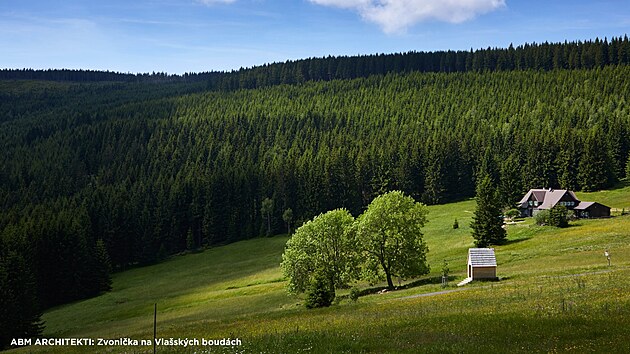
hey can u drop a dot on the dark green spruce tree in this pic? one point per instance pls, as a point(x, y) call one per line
point(510, 184)
point(487, 222)
point(20, 316)
point(103, 267)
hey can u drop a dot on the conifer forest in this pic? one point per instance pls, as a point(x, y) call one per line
point(104, 171)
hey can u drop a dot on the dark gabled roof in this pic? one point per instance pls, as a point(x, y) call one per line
point(553, 197)
point(539, 195)
point(547, 198)
point(586, 205)
point(482, 257)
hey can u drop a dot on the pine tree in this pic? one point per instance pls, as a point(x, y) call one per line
point(104, 267)
point(487, 222)
point(510, 186)
point(190, 241)
point(19, 313)
point(595, 166)
point(558, 216)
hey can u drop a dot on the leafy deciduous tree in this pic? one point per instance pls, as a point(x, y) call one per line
point(322, 247)
point(287, 216)
point(266, 209)
point(389, 234)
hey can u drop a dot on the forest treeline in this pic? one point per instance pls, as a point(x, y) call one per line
point(100, 175)
point(70, 75)
point(537, 56)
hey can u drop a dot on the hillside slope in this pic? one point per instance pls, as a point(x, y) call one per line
point(556, 294)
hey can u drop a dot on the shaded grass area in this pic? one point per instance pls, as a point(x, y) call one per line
point(237, 291)
point(229, 277)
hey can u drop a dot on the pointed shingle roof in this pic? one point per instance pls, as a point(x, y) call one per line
point(547, 198)
point(482, 257)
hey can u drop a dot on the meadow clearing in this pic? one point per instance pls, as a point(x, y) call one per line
point(556, 293)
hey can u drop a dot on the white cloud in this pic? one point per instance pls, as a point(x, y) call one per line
point(397, 15)
point(212, 2)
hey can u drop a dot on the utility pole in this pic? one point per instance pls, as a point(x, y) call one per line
point(154, 326)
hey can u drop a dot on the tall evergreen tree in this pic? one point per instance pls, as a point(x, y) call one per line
point(103, 267)
point(433, 180)
point(20, 316)
point(594, 168)
point(510, 185)
point(487, 221)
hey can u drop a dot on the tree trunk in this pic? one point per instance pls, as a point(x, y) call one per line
point(268, 224)
point(390, 284)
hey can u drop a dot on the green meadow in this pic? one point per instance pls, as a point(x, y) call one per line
point(556, 294)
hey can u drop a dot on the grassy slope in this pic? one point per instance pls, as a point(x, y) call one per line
point(237, 291)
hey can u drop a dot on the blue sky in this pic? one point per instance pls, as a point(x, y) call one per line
point(178, 36)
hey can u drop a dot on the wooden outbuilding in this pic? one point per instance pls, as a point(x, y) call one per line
point(592, 210)
point(482, 264)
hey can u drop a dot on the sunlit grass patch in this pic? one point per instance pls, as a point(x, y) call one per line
point(540, 305)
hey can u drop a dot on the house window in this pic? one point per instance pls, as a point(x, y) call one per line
point(535, 203)
point(531, 203)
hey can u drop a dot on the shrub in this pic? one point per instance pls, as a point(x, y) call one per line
point(320, 294)
point(557, 216)
point(542, 217)
point(445, 272)
point(354, 293)
point(512, 214)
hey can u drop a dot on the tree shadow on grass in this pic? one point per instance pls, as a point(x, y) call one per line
point(413, 284)
point(621, 184)
point(518, 240)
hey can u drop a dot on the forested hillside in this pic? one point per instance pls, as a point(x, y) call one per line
point(537, 56)
point(153, 168)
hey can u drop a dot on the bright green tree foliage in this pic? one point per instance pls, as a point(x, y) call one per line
point(390, 238)
point(322, 247)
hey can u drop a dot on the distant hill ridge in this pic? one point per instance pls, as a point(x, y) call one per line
point(544, 56)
